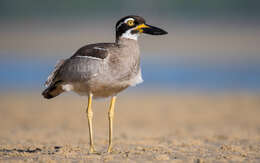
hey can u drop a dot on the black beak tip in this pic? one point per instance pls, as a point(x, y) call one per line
point(164, 32)
point(154, 30)
point(159, 32)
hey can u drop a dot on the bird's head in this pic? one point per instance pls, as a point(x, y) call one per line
point(132, 26)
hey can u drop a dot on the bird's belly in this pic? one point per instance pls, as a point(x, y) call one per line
point(98, 90)
point(105, 86)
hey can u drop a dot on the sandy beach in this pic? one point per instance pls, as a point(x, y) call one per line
point(181, 127)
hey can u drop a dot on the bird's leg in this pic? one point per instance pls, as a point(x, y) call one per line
point(110, 118)
point(90, 117)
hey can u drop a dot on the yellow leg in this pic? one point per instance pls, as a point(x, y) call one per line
point(90, 117)
point(110, 118)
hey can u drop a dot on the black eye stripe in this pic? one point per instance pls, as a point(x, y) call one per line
point(120, 24)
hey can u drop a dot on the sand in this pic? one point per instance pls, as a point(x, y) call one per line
point(183, 127)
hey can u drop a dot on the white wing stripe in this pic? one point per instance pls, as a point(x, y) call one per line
point(98, 48)
point(90, 57)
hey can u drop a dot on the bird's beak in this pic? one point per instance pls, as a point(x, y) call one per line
point(148, 29)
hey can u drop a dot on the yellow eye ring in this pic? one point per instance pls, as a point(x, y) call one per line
point(130, 23)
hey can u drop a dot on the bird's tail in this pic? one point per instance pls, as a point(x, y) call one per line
point(52, 91)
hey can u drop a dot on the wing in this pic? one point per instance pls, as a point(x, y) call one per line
point(53, 74)
point(94, 50)
point(84, 64)
point(79, 69)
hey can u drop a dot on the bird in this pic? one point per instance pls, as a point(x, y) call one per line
point(102, 70)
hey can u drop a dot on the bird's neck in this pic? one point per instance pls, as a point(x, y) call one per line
point(128, 49)
point(127, 35)
point(125, 41)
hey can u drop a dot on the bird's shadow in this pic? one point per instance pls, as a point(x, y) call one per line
point(31, 150)
point(36, 150)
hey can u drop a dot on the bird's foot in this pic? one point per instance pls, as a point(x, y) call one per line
point(109, 149)
point(92, 150)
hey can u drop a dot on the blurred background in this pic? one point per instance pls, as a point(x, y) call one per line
point(211, 46)
point(203, 79)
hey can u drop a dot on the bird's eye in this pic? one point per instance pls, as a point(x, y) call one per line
point(130, 23)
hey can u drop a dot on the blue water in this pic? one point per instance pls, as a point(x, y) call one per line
point(31, 74)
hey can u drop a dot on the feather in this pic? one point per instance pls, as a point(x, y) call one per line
point(51, 77)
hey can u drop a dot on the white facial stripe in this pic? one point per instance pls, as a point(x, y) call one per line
point(121, 23)
point(128, 20)
point(129, 35)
